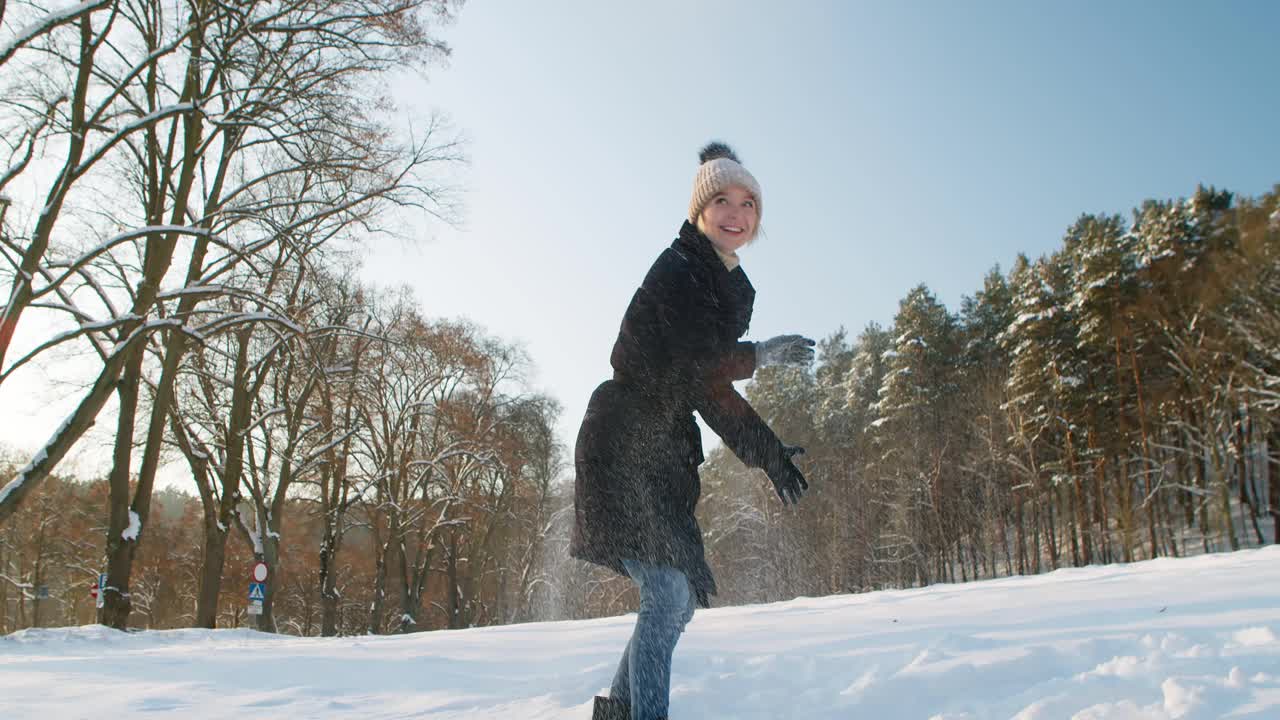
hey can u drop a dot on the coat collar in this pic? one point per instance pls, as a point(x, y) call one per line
point(693, 242)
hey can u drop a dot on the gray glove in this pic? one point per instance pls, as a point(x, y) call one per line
point(785, 350)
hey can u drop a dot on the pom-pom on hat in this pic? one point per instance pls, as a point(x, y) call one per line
point(719, 169)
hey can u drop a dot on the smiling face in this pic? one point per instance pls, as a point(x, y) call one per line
point(729, 219)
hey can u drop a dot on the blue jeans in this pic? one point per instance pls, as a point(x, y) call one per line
point(666, 606)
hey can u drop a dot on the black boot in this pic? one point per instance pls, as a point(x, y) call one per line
point(610, 709)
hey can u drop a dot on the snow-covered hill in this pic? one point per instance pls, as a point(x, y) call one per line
point(1193, 638)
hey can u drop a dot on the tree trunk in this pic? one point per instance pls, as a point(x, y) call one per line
point(214, 557)
point(1202, 473)
point(1051, 526)
point(220, 511)
point(329, 579)
point(1080, 510)
point(1020, 533)
point(333, 486)
point(1125, 484)
point(451, 575)
point(1077, 530)
point(335, 489)
point(1100, 519)
point(37, 577)
point(1273, 481)
point(1004, 544)
point(270, 556)
point(1228, 525)
point(377, 608)
point(116, 605)
point(1149, 498)
point(121, 553)
point(408, 614)
point(1247, 503)
point(121, 564)
point(1182, 472)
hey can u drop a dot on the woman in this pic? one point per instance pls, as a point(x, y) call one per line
point(638, 451)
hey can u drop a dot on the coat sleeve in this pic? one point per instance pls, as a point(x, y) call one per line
point(711, 366)
point(737, 423)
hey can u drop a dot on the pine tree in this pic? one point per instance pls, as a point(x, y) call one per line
point(916, 404)
point(982, 428)
point(1046, 378)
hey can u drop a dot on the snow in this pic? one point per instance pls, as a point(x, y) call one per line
point(44, 24)
point(12, 486)
point(192, 290)
point(135, 526)
point(90, 327)
point(128, 128)
point(149, 326)
point(43, 455)
point(1027, 317)
point(1189, 639)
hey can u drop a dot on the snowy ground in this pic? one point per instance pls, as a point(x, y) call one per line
point(1194, 638)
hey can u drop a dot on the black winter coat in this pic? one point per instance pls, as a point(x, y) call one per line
point(639, 448)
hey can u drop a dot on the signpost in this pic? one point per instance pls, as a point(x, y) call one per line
point(100, 590)
point(257, 588)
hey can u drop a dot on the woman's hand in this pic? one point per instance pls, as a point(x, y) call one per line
point(794, 350)
point(787, 479)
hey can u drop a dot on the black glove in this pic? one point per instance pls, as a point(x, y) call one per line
point(785, 350)
point(787, 478)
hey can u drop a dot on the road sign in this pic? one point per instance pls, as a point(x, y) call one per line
point(260, 572)
point(255, 607)
point(257, 592)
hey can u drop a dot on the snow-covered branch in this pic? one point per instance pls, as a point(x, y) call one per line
point(47, 24)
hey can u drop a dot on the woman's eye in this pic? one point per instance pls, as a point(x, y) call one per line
point(749, 203)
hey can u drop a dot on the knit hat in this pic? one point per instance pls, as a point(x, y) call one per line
point(720, 168)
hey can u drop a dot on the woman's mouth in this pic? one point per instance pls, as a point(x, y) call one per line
point(733, 229)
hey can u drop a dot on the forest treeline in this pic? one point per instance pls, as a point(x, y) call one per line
point(1113, 401)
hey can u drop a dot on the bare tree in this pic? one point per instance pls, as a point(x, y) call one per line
point(417, 368)
point(344, 338)
point(211, 109)
point(243, 127)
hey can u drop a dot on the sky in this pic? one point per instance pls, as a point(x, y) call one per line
point(1170, 639)
point(897, 143)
